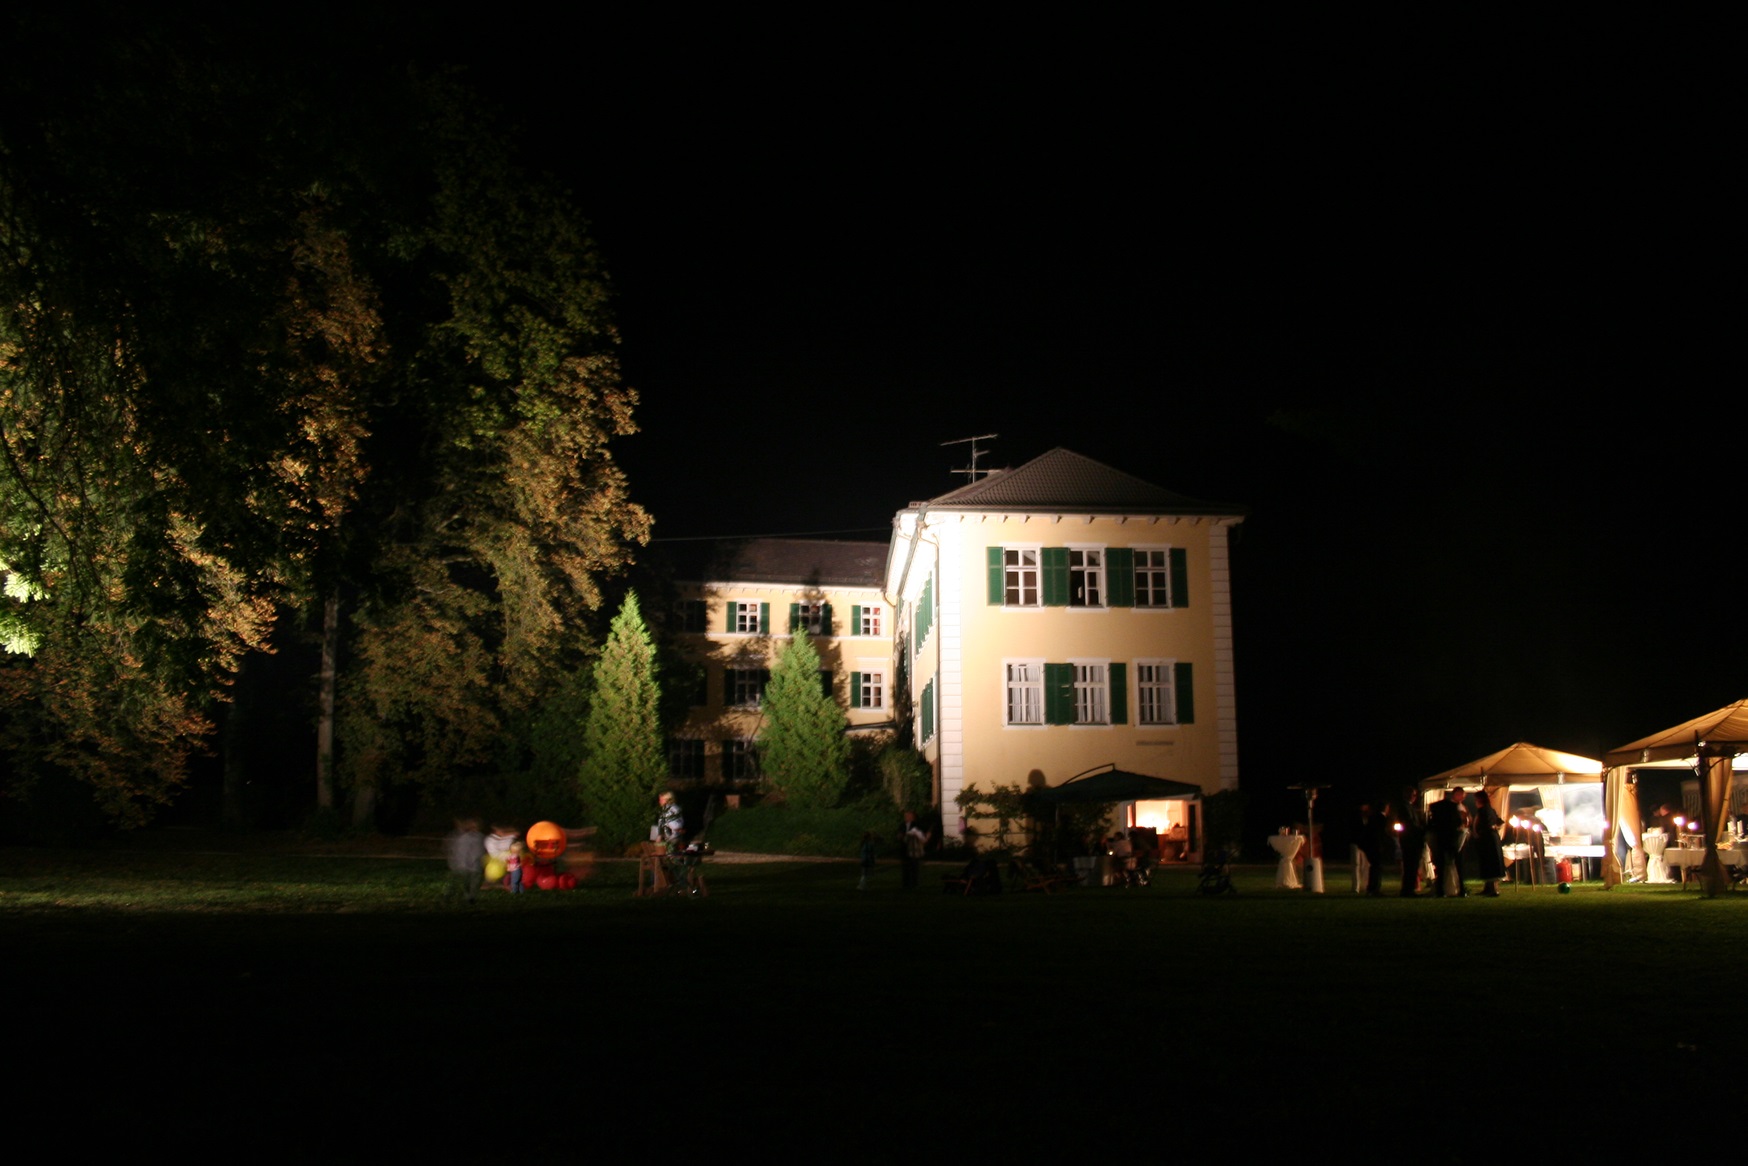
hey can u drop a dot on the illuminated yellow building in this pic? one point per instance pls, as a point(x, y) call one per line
point(1037, 623)
point(746, 600)
point(1064, 615)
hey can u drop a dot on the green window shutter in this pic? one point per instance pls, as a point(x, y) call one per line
point(794, 616)
point(855, 620)
point(1180, 577)
point(764, 619)
point(825, 684)
point(1120, 577)
point(928, 710)
point(1059, 694)
point(855, 690)
point(730, 607)
point(1119, 694)
point(925, 612)
point(728, 688)
point(825, 619)
point(701, 693)
point(997, 578)
point(1183, 684)
point(1053, 565)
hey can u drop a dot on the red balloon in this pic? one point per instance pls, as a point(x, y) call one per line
point(549, 882)
point(567, 882)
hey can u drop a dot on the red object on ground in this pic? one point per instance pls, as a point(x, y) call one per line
point(1563, 869)
point(549, 882)
point(567, 882)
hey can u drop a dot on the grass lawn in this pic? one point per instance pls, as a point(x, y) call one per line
point(328, 1003)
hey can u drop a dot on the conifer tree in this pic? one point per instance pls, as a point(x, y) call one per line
point(623, 765)
point(803, 751)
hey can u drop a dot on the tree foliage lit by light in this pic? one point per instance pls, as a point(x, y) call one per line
point(803, 751)
point(623, 765)
point(274, 341)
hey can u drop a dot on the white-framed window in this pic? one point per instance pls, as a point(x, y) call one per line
point(807, 616)
point(1024, 685)
point(1092, 692)
point(1086, 576)
point(1156, 703)
point(740, 759)
point(868, 621)
point(745, 687)
point(868, 685)
point(748, 616)
point(1020, 576)
point(1152, 577)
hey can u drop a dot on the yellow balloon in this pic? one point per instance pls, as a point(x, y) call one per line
point(494, 870)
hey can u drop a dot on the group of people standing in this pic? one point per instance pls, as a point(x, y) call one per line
point(1444, 828)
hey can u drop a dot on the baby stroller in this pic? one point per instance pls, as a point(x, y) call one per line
point(1216, 876)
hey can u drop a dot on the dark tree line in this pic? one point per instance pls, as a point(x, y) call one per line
point(285, 341)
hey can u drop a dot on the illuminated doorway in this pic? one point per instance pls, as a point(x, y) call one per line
point(1177, 821)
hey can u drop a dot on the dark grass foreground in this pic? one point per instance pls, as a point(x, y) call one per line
point(305, 1007)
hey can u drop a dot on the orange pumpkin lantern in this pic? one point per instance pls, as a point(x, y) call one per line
point(546, 840)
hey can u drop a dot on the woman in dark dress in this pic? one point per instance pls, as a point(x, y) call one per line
point(1484, 828)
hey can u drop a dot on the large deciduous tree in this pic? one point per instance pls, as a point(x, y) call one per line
point(496, 504)
point(623, 766)
point(177, 344)
point(277, 341)
point(803, 751)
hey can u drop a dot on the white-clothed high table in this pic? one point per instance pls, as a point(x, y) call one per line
point(1287, 846)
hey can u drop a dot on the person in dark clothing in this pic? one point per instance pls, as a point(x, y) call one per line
point(1448, 823)
point(1490, 850)
point(912, 841)
point(1409, 823)
point(1370, 838)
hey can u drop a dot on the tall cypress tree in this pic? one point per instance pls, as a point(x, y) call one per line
point(803, 751)
point(623, 765)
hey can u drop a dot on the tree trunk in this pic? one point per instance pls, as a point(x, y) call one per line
point(325, 703)
point(231, 812)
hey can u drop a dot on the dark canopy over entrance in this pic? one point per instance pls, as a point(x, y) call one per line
point(1115, 785)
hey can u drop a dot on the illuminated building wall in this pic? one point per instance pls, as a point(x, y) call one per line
point(1062, 616)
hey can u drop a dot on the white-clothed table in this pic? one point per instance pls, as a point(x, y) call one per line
point(1287, 846)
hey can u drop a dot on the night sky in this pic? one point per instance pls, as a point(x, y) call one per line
point(1444, 306)
point(1438, 314)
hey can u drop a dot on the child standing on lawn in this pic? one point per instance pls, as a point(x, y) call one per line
point(465, 849)
point(503, 843)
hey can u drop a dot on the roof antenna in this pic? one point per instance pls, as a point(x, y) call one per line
point(973, 473)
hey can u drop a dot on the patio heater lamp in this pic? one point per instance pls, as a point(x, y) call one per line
point(1313, 864)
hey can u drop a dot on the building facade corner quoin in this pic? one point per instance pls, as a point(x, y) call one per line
point(1225, 670)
